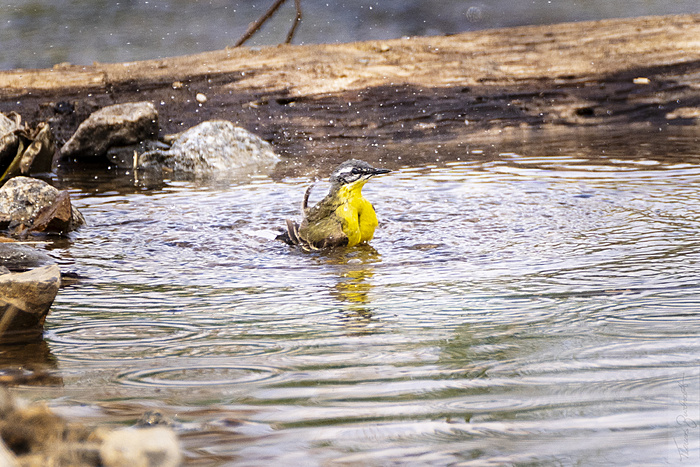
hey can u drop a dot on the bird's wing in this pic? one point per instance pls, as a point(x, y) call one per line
point(291, 235)
point(322, 228)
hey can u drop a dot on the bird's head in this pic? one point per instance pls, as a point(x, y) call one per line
point(354, 172)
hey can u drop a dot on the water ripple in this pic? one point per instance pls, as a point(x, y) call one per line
point(195, 375)
point(113, 333)
point(534, 309)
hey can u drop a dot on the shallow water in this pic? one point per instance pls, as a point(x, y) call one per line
point(522, 308)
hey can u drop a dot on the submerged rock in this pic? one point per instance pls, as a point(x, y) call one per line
point(31, 430)
point(24, 150)
point(116, 125)
point(209, 149)
point(123, 156)
point(28, 363)
point(16, 257)
point(157, 446)
point(35, 436)
point(25, 300)
point(32, 205)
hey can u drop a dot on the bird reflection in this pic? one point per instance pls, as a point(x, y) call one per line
point(353, 289)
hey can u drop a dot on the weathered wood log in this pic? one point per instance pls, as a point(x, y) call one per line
point(321, 100)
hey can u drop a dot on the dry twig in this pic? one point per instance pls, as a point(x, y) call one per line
point(256, 25)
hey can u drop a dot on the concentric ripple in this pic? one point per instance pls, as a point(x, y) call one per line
point(195, 376)
point(110, 333)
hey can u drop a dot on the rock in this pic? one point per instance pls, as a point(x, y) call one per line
point(32, 205)
point(56, 217)
point(34, 436)
point(9, 149)
point(38, 156)
point(25, 300)
point(8, 125)
point(24, 150)
point(29, 429)
point(211, 149)
point(153, 418)
point(15, 257)
point(123, 156)
point(7, 459)
point(29, 363)
point(116, 125)
point(141, 447)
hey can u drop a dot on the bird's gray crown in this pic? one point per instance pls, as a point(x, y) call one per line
point(353, 170)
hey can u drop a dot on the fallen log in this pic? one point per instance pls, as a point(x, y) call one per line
point(318, 101)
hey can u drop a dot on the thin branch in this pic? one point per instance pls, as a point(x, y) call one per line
point(256, 25)
point(297, 20)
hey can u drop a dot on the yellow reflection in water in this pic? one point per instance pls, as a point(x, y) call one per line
point(355, 270)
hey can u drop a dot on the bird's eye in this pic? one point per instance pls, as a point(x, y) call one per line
point(356, 170)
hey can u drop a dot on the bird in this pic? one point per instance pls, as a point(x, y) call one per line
point(343, 218)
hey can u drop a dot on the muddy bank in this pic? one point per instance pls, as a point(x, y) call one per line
point(323, 102)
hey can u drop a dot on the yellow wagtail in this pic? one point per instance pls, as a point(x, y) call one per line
point(343, 218)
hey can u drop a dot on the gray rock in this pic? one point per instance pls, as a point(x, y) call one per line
point(15, 257)
point(25, 300)
point(29, 203)
point(141, 447)
point(211, 149)
point(116, 125)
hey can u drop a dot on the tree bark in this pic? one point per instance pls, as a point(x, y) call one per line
point(321, 100)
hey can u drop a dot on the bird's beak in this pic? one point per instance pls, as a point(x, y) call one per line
point(375, 171)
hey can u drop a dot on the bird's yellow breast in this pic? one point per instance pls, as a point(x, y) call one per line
point(357, 214)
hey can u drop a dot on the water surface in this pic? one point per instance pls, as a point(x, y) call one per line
point(529, 307)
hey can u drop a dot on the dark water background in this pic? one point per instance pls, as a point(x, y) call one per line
point(41, 33)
